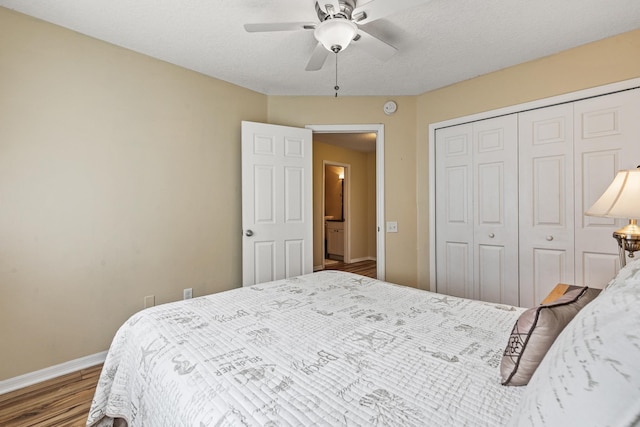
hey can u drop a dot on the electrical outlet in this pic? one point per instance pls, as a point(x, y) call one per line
point(187, 293)
point(149, 301)
point(392, 226)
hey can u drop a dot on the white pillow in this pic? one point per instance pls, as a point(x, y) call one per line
point(629, 272)
point(591, 374)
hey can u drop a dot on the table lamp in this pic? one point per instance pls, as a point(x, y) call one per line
point(622, 200)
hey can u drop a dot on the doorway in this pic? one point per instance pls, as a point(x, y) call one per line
point(377, 131)
point(336, 209)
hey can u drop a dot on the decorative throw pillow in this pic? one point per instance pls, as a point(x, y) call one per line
point(590, 376)
point(535, 331)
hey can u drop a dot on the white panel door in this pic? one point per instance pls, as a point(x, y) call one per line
point(454, 211)
point(607, 129)
point(546, 201)
point(495, 177)
point(276, 202)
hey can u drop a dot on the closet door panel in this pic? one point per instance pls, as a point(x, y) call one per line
point(492, 273)
point(597, 258)
point(495, 174)
point(454, 211)
point(546, 202)
point(490, 195)
point(455, 279)
point(606, 141)
point(548, 266)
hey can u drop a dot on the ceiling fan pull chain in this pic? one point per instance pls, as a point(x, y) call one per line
point(336, 87)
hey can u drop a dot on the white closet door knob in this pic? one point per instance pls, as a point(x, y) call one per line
point(491, 235)
point(549, 238)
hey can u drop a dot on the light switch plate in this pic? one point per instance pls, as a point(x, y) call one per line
point(392, 226)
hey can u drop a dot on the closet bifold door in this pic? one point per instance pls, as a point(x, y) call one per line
point(495, 228)
point(454, 211)
point(546, 201)
point(607, 139)
point(477, 210)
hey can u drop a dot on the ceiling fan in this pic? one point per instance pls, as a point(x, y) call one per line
point(339, 26)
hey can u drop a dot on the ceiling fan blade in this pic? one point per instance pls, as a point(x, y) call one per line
point(335, 4)
point(279, 26)
point(377, 9)
point(374, 46)
point(318, 57)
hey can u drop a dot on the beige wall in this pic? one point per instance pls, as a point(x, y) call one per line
point(361, 181)
point(119, 178)
point(595, 64)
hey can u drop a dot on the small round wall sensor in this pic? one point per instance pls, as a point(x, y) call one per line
point(390, 107)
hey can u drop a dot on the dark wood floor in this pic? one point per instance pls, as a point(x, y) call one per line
point(363, 268)
point(65, 401)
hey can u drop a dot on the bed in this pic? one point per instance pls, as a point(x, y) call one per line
point(337, 349)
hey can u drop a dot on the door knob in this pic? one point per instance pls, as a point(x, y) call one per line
point(491, 235)
point(249, 233)
point(549, 238)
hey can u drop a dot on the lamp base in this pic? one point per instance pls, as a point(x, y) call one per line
point(628, 238)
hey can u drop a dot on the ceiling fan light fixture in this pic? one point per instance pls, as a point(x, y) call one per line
point(335, 34)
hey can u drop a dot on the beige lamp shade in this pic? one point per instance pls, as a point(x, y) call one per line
point(622, 200)
point(622, 197)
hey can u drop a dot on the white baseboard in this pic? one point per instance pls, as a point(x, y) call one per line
point(45, 374)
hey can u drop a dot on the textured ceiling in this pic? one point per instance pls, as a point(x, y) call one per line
point(439, 42)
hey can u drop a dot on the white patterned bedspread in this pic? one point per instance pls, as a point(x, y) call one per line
point(325, 349)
